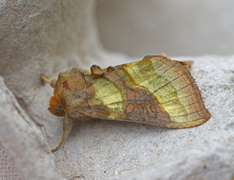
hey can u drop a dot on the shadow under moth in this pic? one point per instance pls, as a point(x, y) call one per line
point(155, 90)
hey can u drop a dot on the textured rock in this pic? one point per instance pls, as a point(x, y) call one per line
point(120, 150)
point(207, 151)
point(41, 38)
point(45, 38)
point(24, 141)
point(177, 28)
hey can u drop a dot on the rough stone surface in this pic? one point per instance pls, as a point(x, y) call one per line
point(119, 150)
point(45, 38)
point(204, 152)
point(24, 141)
point(178, 28)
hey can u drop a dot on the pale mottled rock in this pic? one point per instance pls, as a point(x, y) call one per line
point(24, 141)
point(57, 35)
point(120, 150)
point(178, 28)
point(207, 151)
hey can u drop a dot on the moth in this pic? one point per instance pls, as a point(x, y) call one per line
point(156, 90)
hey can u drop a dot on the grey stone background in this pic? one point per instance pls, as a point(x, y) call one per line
point(177, 28)
point(47, 37)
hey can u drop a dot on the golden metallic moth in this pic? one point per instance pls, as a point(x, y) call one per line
point(155, 90)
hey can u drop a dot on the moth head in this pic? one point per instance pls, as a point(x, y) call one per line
point(55, 107)
point(71, 89)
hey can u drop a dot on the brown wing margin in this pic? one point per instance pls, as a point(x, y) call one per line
point(140, 107)
point(99, 112)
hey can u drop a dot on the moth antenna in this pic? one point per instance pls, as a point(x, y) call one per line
point(45, 79)
point(51, 82)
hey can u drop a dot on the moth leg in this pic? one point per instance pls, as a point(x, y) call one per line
point(63, 137)
point(96, 71)
point(67, 125)
point(51, 82)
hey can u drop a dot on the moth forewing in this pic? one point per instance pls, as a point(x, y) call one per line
point(155, 90)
